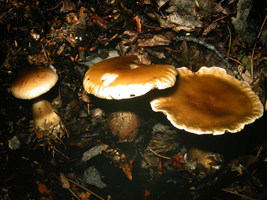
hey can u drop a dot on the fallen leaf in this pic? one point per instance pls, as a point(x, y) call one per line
point(64, 181)
point(211, 27)
point(147, 193)
point(93, 152)
point(84, 195)
point(92, 176)
point(177, 162)
point(127, 169)
point(43, 189)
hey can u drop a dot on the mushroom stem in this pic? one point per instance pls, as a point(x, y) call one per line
point(44, 114)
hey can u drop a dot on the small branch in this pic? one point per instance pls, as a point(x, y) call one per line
point(85, 189)
point(156, 154)
point(6, 13)
point(61, 153)
point(230, 41)
point(243, 196)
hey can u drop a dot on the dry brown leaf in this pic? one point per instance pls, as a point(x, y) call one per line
point(127, 169)
point(146, 195)
point(84, 195)
point(64, 181)
point(43, 189)
point(211, 27)
point(245, 75)
point(156, 40)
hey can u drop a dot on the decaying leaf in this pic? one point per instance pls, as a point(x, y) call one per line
point(156, 40)
point(84, 195)
point(92, 176)
point(127, 169)
point(64, 181)
point(211, 27)
point(205, 8)
point(177, 162)
point(240, 22)
point(14, 143)
point(43, 189)
point(187, 15)
point(245, 74)
point(183, 21)
point(93, 152)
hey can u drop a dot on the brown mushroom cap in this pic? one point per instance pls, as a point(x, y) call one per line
point(208, 102)
point(209, 160)
point(124, 77)
point(33, 82)
point(124, 125)
point(44, 115)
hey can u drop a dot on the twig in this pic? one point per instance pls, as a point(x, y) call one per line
point(45, 53)
point(230, 41)
point(85, 189)
point(68, 188)
point(73, 194)
point(156, 154)
point(212, 48)
point(237, 61)
point(145, 158)
point(243, 196)
point(61, 153)
point(133, 42)
point(6, 13)
point(255, 44)
point(55, 6)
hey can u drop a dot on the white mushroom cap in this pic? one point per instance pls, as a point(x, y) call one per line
point(125, 77)
point(208, 102)
point(33, 82)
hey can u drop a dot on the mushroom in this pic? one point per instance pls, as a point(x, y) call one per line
point(208, 102)
point(125, 77)
point(209, 160)
point(124, 125)
point(30, 84)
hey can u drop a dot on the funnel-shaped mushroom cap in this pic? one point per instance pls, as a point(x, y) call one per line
point(124, 77)
point(208, 102)
point(33, 82)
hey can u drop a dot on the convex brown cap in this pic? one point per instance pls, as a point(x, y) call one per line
point(33, 82)
point(125, 77)
point(124, 125)
point(208, 102)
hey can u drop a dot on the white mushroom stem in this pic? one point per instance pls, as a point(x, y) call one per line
point(44, 114)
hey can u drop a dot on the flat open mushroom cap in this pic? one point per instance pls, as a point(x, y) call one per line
point(124, 77)
point(208, 102)
point(33, 82)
